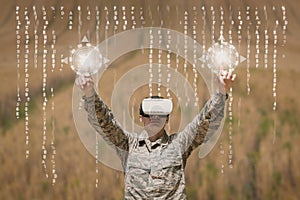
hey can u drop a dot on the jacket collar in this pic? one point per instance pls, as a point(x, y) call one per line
point(144, 139)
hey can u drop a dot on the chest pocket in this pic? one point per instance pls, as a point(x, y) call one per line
point(168, 171)
point(167, 161)
point(137, 171)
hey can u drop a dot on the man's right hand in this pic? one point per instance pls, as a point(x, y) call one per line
point(86, 84)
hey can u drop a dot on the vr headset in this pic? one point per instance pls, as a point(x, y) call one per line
point(155, 106)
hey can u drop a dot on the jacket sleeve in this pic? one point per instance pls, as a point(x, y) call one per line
point(103, 121)
point(205, 123)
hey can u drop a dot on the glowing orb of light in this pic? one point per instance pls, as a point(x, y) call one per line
point(222, 56)
point(87, 60)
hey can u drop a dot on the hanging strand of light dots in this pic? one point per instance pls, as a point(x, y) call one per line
point(159, 54)
point(222, 21)
point(36, 37)
point(96, 134)
point(62, 12)
point(221, 147)
point(213, 21)
point(177, 55)
point(70, 27)
point(221, 150)
point(275, 42)
point(159, 63)
point(97, 18)
point(106, 28)
point(239, 32)
point(151, 35)
point(266, 52)
point(116, 21)
point(97, 25)
point(230, 147)
point(54, 175)
point(168, 64)
point(150, 62)
point(185, 51)
point(124, 18)
point(168, 58)
point(230, 150)
point(26, 80)
point(248, 48)
point(70, 20)
point(132, 17)
point(142, 18)
point(203, 31)
point(44, 93)
point(134, 101)
point(79, 23)
point(195, 58)
point(231, 23)
point(257, 33)
point(88, 19)
point(53, 56)
point(18, 44)
point(115, 29)
point(274, 62)
point(284, 25)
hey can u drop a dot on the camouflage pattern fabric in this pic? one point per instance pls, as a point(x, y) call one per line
point(155, 170)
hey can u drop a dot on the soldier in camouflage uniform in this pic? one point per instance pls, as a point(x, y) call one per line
point(154, 161)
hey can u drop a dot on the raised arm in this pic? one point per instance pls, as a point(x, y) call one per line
point(101, 117)
point(209, 119)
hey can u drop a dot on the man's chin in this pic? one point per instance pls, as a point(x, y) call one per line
point(153, 130)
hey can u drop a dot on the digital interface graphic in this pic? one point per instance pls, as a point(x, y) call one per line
point(116, 24)
point(137, 49)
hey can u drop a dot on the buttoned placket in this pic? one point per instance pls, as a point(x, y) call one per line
point(154, 150)
point(152, 155)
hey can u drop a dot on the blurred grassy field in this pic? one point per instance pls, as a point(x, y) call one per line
point(265, 157)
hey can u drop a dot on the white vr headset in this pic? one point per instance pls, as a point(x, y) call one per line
point(152, 106)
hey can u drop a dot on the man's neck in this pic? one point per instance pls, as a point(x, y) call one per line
point(158, 135)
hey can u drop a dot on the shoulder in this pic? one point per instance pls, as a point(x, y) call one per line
point(173, 136)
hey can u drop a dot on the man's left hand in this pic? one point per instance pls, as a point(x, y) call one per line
point(226, 78)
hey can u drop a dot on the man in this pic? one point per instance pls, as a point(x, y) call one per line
point(153, 161)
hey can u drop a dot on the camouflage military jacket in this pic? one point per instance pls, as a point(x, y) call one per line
point(155, 170)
